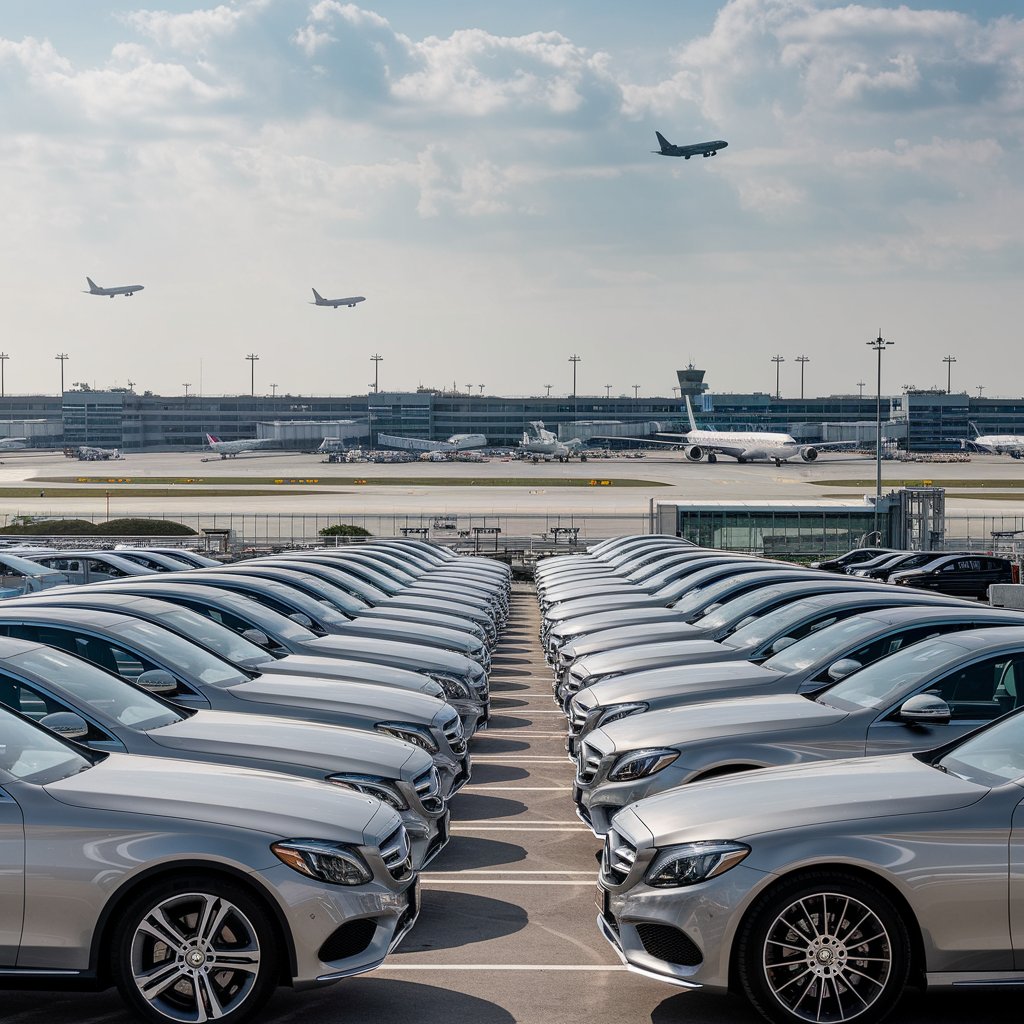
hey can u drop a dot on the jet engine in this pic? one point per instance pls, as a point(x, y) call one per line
point(808, 454)
point(695, 453)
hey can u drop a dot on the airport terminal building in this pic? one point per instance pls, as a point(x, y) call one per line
point(121, 418)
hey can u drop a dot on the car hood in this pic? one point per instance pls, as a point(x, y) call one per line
point(399, 654)
point(701, 680)
point(330, 748)
point(328, 667)
point(605, 603)
point(278, 805)
point(412, 632)
point(675, 652)
point(765, 717)
point(800, 796)
point(584, 624)
point(631, 636)
point(377, 702)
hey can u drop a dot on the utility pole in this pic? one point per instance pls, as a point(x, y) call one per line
point(949, 361)
point(376, 360)
point(879, 345)
point(3, 359)
point(252, 358)
point(861, 384)
point(63, 357)
point(777, 360)
point(802, 360)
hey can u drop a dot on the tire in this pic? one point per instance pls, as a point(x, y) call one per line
point(160, 983)
point(794, 951)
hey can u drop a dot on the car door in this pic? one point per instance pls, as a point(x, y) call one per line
point(12, 870)
point(974, 693)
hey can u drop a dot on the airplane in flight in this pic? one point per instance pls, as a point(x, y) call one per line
point(122, 289)
point(230, 449)
point(993, 444)
point(538, 443)
point(351, 300)
point(703, 148)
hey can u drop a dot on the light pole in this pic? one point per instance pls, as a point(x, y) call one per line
point(481, 387)
point(252, 358)
point(675, 391)
point(607, 391)
point(63, 357)
point(548, 386)
point(802, 360)
point(186, 387)
point(879, 345)
point(949, 361)
point(981, 387)
point(469, 389)
point(636, 391)
point(376, 360)
point(861, 384)
point(3, 359)
point(574, 359)
point(273, 391)
point(777, 360)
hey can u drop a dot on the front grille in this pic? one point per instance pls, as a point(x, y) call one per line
point(587, 763)
point(455, 734)
point(348, 940)
point(666, 943)
point(577, 717)
point(396, 853)
point(428, 790)
point(618, 858)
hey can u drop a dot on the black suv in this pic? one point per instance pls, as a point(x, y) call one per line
point(958, 575)
point(854, 557)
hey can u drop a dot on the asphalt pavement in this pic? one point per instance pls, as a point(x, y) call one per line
point(507, 930)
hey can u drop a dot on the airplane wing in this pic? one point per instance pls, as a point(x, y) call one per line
point(835, 446)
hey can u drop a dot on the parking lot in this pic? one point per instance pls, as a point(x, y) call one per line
point(507, 928)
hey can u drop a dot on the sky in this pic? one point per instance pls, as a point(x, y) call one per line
point(482, 173)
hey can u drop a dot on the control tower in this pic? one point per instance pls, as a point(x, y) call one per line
point(691, 385)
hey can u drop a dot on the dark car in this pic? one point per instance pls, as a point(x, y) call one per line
point(854, 557)
point(958, 575)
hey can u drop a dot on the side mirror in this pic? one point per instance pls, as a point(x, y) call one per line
point(157, 680)
point(843, 668)
point(65, 724)
point(256, 636)
point(925, 709)
point(302, 619)
point(782, 643)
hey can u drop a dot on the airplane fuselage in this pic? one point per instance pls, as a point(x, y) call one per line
point(997, 444)
point(122, 289)
point(697, 148)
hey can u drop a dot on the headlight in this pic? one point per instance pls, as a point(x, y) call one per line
point(372, 785)
point(694, 862)
point(334, 863)
point(410, 733)
point(614, 712)
point(641, 763)
point(454, 689)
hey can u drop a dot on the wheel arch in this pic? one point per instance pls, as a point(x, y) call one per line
point(861, 874)
point(103, 934)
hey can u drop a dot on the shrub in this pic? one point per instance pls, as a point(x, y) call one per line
point(113, 527)
point(344, 530)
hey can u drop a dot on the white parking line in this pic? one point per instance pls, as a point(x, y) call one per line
point(513, 759)
point(485, 787)
point(525, 828)
point(506, 871)
point(392, 966)
point(517, 734)
point(509, 881)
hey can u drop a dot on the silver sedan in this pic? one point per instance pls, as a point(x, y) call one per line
point(197, 888)
point(821, 891)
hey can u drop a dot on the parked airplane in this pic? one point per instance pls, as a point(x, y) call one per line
point(540, 443)
point(229, 449)
point(13, 444)
point(455, 443)
point(993, 444)
point(121, 289)
point(704, 148)
point(319, 300)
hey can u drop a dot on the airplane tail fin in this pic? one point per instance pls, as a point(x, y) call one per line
point(974, 429)
point(319, 298)
point(663, 142)
point(210, 439)
point(92, 285)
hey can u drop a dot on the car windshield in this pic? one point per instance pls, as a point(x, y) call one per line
point(764, 627)
point(992, 757)
point(740, 607)
point(217, 638)
point(31, 754)
point(91, 688)
point(826, 643)
point(179, 654)
point(286, 596)
point(705, 595)
point(882, 683)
